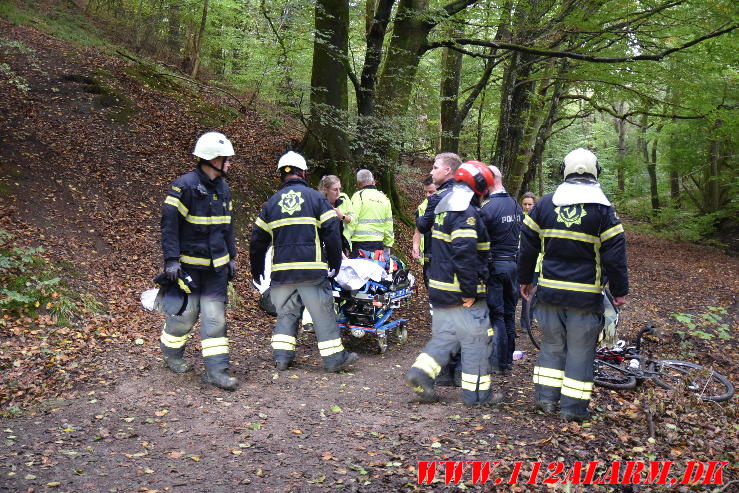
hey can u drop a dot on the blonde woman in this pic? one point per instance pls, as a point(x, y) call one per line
point(330, 186)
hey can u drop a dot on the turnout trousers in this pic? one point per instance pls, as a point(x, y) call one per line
point(317, 297)
point(460, 330)
point(502, 296)
point(564, 368)
point(208, 301)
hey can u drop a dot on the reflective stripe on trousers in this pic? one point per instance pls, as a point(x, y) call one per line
point(173, 339)
point(460, 329)
point(564, 369)
point(289, 300)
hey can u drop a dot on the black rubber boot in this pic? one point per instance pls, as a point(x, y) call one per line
point(351, 358)
point(495, 399)
point(423, 389)
point(177, 365)
point(220, 379)
point(547, 407)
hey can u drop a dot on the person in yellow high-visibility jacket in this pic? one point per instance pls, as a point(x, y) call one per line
point(372, 227)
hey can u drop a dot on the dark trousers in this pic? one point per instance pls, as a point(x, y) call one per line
point(502, 298)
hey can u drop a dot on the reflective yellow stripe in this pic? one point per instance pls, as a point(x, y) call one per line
point(464, 233)
point(284, 338)
point(208, 220)
point(483, 246)
point(485, 382)
point(445, 286)
point(548, 381)
point(441, 236)
point(184, 287)
point(214, 346)
point(283, 346)
point(469, 381)
point(569, 235)
point(299, 265)
point(327, 348)
point(491, 332)
point(549, 372)
point(289, 221)
point(221, 260)
point(174, 342)
point(576, 384)
point(531, 223)
point(186, 259)
point(570, 286)
point(481, 288)
point(174, 201)
point(428, 365)
point(259, 222)
point(327, 215)
point(610, 233)
point(576, 394)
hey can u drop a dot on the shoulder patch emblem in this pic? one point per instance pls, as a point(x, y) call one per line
point(471, 221)
point(571, 214)
point(291, 202)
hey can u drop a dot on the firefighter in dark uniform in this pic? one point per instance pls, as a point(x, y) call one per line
point(442, 173)
point(460, 324)
point(422, 242)
point(303, 230)
point(502, 216)
point(198, 239)
point(583, 244)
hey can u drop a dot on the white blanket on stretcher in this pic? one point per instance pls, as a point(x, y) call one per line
point(355, 272)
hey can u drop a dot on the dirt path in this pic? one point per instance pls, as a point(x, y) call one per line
point(89, 189)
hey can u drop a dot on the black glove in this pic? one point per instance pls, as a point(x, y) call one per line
point(232, 269)
point(172, 269)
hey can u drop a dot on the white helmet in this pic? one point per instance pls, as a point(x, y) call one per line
point(293, 159)
point(580, 161)
point(211, 145)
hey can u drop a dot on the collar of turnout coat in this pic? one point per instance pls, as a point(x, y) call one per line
point(569, 193)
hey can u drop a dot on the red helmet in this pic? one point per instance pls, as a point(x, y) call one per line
point(475, 174)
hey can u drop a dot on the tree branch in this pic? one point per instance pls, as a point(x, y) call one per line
point(627, 114)
point(574, 55)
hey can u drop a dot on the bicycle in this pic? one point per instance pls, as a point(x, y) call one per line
point(623, 368)
point(611, 314)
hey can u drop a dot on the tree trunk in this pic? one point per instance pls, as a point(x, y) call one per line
point(620, 125)
point(451, 73)
point(326, 143)
point(199, 41)
point(713, 191)
point(651, 162)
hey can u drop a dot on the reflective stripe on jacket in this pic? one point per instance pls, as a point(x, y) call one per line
point(304, 231)
point(460, 248)
point(424, 245)
point(425, 222)
point(373, 217)
point(196, 226)
point(583, 246)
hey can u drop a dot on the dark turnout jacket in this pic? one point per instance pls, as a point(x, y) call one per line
point(584, 247)
point(304, 231)
point(196, 226)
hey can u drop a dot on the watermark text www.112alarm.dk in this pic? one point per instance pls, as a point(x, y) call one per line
point(593, 472)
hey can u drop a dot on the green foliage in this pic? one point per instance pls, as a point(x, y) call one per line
point(29, 285)
point(710, 321)
point(62, 19)
point(12, 14)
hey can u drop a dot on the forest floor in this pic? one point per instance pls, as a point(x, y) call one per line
point(88, 143)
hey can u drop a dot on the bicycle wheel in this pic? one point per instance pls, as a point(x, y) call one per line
point(705, 383)
point(532, 327)
point(612, 376)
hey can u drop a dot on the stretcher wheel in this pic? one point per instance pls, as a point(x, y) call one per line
point(402, 333)
point(382, 342)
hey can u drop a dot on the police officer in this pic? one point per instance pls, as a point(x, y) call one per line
point(372, 227)
point(502, 217)
point(198, 239)
point(583, 245)
point(303, 230)
point(459, 247)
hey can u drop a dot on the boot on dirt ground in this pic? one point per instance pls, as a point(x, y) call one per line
point(423, 389)
point(351, 358)
point(220, 379)
point(177, 365)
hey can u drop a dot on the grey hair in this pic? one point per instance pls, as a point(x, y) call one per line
point(364, 176)
point(449, 159)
